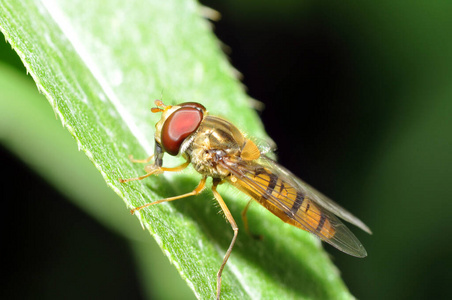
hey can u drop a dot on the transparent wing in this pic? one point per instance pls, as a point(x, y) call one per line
point(315, 195)
point(296, 202)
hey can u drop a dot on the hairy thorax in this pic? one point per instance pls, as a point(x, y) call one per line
point(215, 140)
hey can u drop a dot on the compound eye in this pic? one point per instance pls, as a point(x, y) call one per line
point(179, 125)
point(194, 105)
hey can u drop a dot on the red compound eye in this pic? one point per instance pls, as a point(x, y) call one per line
point(178, 126)
point(194, 105)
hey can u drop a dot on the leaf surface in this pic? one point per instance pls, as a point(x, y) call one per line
point(100, 65)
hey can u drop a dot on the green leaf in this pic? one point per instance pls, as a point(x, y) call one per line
point(29, 129)
point(100, 65)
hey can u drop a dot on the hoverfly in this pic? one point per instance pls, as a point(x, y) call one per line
point(218, 149)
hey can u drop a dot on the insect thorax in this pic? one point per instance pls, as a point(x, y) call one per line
point(214, 140)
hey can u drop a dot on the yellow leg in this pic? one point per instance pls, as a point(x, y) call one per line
point(245, 222)
point(142, 161)
point(231, 221)
point(150, 171)
point(244, 217)
point(196, 191)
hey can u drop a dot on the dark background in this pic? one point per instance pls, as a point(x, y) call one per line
point(358, 98)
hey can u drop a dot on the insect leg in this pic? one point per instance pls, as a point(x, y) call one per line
point(231, 221)
point(245, 222)
point(142, 161)
point(196, 191)
point(152, 169)
point(175, 169)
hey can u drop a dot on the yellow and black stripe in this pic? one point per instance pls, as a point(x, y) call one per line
point(284, 200)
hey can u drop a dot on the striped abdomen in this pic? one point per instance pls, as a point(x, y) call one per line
point(284, 200)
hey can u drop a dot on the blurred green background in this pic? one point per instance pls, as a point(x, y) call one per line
point(358, 97)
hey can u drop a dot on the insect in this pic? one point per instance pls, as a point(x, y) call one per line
point(218, 149)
